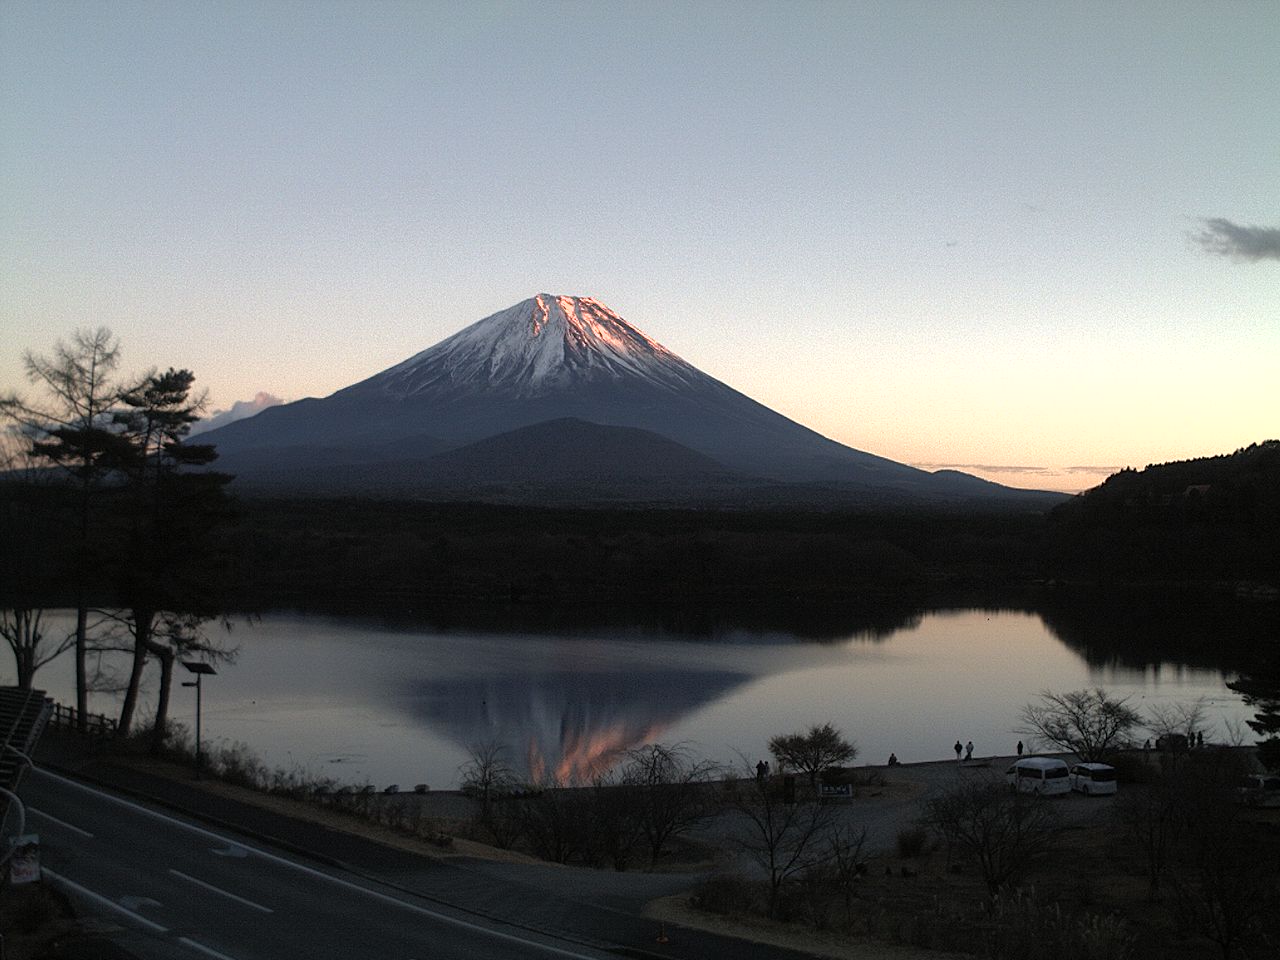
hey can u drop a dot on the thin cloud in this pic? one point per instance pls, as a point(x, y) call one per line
point(985, 467)
point(1227, 239)
point(1107, 470)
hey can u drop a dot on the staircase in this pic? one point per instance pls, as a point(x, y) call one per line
point(23, 715)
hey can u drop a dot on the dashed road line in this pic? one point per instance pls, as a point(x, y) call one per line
point(207, 951)
point(218, 890)
point(62, 823)
point(444, 918)
point(104, 901)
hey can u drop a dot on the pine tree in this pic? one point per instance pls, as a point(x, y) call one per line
point(167, 576)
point(1261, 689)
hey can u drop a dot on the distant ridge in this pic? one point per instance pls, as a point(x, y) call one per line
point(572, 450)
point(568, 360)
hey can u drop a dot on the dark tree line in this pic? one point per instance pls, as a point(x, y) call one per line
point(1194, 520)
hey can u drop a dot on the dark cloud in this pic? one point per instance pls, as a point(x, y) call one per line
point(1228, 239)
point(237, 411)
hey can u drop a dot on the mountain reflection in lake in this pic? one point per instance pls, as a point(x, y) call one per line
point(396, 703)
point(566, 724)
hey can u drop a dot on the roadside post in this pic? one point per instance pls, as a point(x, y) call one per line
point(201, 670)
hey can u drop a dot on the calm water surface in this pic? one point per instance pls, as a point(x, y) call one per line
point(363, 702)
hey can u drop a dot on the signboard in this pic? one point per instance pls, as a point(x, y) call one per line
point(838, 792)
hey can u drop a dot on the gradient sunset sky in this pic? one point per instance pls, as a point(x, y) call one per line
point(1036, 241)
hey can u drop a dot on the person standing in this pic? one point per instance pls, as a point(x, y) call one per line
point(958, 750)
point(968, 750)
point(1019, 748)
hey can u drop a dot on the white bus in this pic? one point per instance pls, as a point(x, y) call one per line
point(1093, 779)
point(1039, 775)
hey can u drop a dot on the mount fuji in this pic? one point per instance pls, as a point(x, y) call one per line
point(560, 392)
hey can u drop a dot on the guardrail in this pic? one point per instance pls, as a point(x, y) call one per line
point(95, 724)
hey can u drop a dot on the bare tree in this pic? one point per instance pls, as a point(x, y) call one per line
point(164, 636)
point(1185, 718)
point(70, 427)
point(1235, 731)
point(487, 775)
point(1088, 723)
point(847, 860)
point(1003, 830)
point(813, 751)
point(670, 789)
point(1154, 817)
point(615, 813)
point(1228, 884)
point(22, 629)
point(784, 839)
point(557, 821)
point(26, 558)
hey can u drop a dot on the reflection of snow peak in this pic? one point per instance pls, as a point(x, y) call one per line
point(564, 725)
point(587, 754)
point(536, 347)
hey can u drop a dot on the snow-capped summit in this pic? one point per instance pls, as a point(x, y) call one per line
point(543, 344)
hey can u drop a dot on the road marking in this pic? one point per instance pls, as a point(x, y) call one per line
point(103, 901)
point(212, 889)
point(338, 881)
point(137, 903)
point(207, 951)
point(62, 823)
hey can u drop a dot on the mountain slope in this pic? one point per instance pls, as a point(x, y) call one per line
point(555, 358)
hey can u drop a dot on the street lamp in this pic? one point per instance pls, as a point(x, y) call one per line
point(200, 670)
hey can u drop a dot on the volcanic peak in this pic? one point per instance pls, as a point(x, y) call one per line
point(541, 345)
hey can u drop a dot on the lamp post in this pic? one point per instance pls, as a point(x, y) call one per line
point(200, 670)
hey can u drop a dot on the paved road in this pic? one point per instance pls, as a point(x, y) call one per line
point(196, 892)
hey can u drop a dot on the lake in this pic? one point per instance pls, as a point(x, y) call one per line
point(362, 700)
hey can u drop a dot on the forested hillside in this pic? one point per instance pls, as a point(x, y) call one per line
point(1214, 518)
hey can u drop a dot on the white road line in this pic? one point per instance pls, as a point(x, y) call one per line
point(62, 823)
point(207, 951)
point(338, 881)
point(218, 890)
point(103, 901)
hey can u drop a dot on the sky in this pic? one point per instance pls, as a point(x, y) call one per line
point(1035, 241)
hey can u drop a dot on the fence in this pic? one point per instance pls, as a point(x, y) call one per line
point(96, 725)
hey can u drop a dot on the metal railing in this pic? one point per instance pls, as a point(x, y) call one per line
point(95, 724)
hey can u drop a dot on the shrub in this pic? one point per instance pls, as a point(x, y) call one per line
point(29, 908)
point(728, 894)
point(1134, 768)
point(237, 764)
point(912, 842)
point(1024, 927)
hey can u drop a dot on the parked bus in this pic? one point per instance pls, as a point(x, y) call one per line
point(1093, 779)
point(1043, 775)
